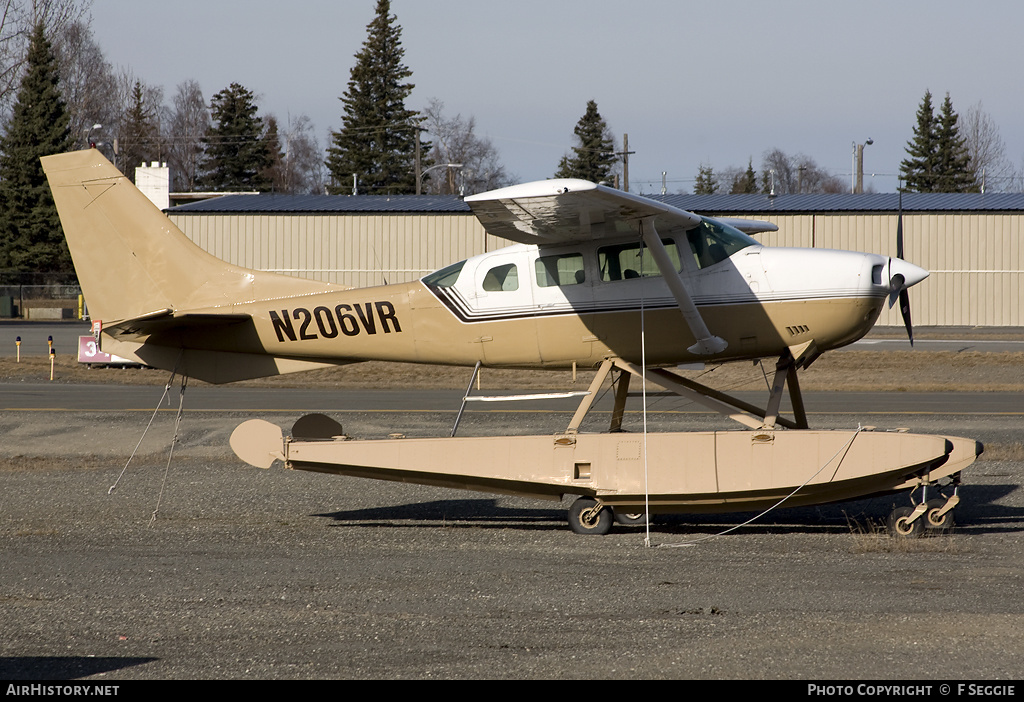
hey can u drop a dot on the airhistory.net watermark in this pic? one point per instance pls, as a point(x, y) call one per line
point(62, 690)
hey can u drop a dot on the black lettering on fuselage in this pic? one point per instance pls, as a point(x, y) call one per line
point(386, 311)
point(325, 322)
point(283, 326)
point(306, 319)
point(364, 319)
point(349, 325)
point(369, 324)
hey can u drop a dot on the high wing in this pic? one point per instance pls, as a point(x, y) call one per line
point(563, 211)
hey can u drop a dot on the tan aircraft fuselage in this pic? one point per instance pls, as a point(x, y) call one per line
point(407, 322)
point(166, 302)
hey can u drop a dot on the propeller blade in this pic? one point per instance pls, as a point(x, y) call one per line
point(900, 284)
point(905, 312)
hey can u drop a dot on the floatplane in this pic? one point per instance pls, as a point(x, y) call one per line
point(597, 278)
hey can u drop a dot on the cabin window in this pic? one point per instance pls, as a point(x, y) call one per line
point(502, 278)
point(446, 277)
point(560, 270)
point(625, 261)
point(712, 242)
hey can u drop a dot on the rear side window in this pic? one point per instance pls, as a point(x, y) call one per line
point(625, 261)
point(560, 270)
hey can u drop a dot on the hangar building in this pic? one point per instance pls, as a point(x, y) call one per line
point(971, 243)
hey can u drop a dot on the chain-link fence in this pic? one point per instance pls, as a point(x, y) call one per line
point(52, 301)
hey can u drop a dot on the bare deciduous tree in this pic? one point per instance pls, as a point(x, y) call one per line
point(986, 150)
point(17, 18)
point(797, 174)
point(302, 168)
point(188, 123)
point(88, 84)
point(455, 141)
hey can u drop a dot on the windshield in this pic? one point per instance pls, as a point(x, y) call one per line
point(712, 242)
point(446, 277)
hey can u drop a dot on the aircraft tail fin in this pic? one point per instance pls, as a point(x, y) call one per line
point(131, 260)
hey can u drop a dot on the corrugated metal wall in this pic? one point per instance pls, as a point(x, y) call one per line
point(359, 250)
point(975, 259)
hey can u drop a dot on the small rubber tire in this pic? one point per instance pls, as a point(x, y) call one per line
point(943, 523)
point(629, 518)
point(583, 519)
point(899, 526)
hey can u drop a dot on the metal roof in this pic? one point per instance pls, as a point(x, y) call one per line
point(325, 204)
point(712, 204)
point(868, 202)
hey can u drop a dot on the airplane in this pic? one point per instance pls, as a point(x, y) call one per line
point(598, 278)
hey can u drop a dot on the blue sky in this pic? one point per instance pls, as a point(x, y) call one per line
point(690, 83)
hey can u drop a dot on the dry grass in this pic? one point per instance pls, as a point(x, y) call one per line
point(874, 537)
point(881, 542)
point(1004, 452)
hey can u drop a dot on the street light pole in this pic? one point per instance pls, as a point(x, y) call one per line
point(857, 186)
point(420, 174)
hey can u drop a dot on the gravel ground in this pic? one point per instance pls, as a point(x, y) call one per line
point(251, 574)
point(277, 574)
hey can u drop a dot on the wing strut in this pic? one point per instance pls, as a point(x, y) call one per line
point(706, 343)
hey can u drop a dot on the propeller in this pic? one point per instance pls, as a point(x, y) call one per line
point(898, 282)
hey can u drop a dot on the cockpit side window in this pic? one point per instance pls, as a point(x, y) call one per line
point(446, 277)
point(502, 278)
point(712, 242)
point(625, 261)
point(560, 270)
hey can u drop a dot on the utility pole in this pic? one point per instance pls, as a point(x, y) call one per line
point(419, 173)
point(625, 161)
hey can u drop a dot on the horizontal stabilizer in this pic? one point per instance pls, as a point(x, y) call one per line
point(167, 320)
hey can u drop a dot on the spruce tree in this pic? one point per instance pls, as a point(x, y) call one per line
point(918, 171)
point(139, 141)
point(594, 157)
point(276, 172)
point(938, 158)
point(953, 162)
point(377, 140)
point(705, 184)
point(747, 182)
point(31, 238)
point(237, 155)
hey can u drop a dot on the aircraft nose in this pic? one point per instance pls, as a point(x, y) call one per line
point(910, 274)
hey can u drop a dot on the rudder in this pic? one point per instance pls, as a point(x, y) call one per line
point(131, 260)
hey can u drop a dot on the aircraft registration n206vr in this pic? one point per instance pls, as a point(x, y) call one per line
point(599, 279)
